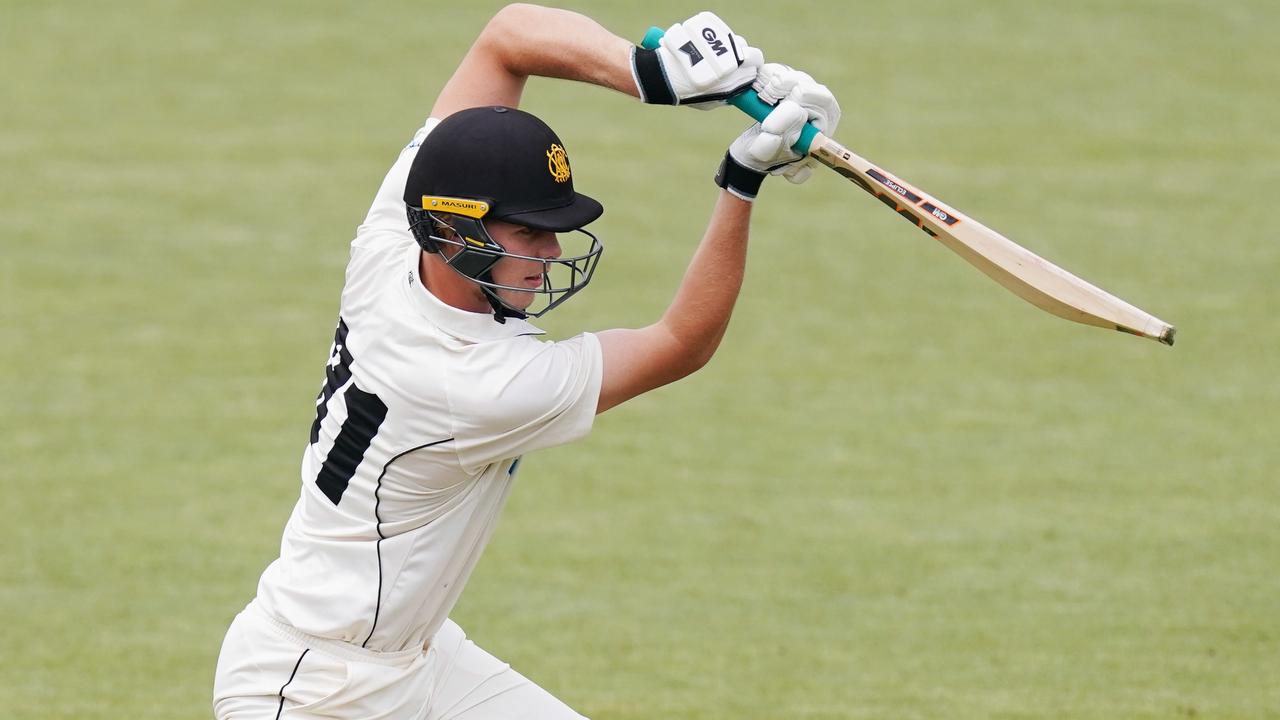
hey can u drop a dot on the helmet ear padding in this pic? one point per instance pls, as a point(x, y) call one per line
point(420, 224)
point(476, 250)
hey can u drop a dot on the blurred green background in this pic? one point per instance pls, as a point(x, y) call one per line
point(897, 492)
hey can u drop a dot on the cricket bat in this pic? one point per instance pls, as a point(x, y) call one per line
point(1019, 270)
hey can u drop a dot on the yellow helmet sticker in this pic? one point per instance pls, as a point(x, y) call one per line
point(457, 206)
point(558, 163)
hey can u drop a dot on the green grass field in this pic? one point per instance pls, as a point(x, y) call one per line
point(897, 492)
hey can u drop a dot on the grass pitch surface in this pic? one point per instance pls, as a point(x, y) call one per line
point(897, 492)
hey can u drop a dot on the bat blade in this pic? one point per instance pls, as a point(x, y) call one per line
point(1019, 270)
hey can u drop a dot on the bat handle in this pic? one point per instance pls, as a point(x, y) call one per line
point(748, 101)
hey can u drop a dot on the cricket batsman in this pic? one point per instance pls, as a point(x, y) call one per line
point(437, 384)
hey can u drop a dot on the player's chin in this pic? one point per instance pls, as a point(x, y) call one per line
point(517, 299)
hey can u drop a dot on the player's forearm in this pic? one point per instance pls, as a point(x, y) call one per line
point(637, 361)
point(549, 42)
point(699, 315)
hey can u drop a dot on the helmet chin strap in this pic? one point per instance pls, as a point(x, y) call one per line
point(500, 309)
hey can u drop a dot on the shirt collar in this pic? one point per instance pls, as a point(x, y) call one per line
point(463, 324)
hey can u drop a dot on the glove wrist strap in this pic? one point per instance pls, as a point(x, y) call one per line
point(650, 78)
point(738, 179)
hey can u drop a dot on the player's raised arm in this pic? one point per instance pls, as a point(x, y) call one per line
point(523, 40)
point(636, 361)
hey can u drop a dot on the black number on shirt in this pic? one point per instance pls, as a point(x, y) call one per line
point(365, 413)
point(336, 374)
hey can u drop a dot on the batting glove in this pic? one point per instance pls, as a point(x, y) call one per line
point(699, 62)
point(765, 148)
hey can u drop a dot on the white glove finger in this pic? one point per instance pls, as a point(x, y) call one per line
point(764, 148)
point(706, 24)
point(800, 77)
point(820, 103)
point(787, 120)
point(768, 83)
point(674, 37)
point(776, 81)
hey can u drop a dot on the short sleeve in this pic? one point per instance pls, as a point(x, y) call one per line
point(525, 396)
point(386, 222)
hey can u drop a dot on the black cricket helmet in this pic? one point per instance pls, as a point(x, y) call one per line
point(500, 163)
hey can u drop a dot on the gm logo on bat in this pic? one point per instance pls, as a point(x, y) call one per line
point(941, 215)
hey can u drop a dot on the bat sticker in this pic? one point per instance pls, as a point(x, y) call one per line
point(899, 189)
point(885, 198)
point(940, 214)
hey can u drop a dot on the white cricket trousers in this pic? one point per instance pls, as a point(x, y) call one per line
point(268, 670)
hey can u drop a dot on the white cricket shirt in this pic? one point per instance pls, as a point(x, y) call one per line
point(423, 417)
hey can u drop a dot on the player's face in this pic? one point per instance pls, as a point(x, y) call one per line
point(520, 240)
